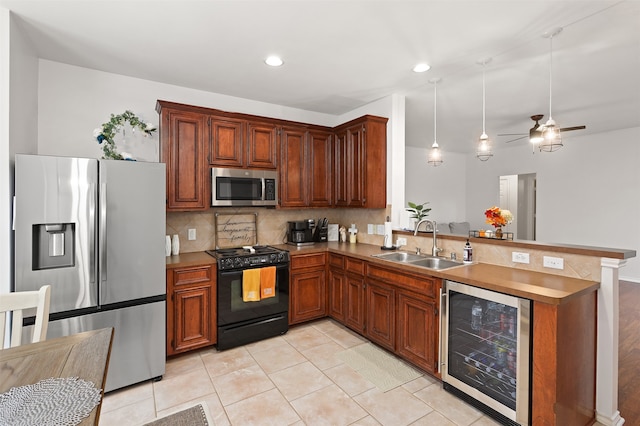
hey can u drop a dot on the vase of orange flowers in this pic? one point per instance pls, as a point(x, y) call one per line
point(498, 218)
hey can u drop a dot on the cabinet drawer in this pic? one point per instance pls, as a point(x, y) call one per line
point(308, 260)
point(422, 284)
point(354, 266)
point(336, 261)
point(185, 276)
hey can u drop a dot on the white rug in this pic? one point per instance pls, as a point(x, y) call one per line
point(379, 366)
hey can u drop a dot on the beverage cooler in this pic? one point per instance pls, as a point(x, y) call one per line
point(486, 351)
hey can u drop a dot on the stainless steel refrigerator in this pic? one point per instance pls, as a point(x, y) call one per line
point(95, 231)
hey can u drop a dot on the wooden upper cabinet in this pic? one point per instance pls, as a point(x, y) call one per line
point(360, 163)
point(225, 142)
point(320, 161)
point(319, 166)
point(340, 175)
point(262, 146)
point(294, 169)
point(305, 172)
point(182, 148)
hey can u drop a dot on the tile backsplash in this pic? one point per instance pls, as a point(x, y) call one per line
point(271, 224)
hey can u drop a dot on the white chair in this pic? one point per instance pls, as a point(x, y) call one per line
point(16, 303)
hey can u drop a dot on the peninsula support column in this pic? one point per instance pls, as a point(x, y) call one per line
point(607, 411)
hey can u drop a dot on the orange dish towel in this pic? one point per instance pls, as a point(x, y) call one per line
point(251, 285)
point(268, 282)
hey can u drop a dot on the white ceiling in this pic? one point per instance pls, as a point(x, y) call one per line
point(340, 55)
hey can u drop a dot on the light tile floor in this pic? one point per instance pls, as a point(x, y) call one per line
point(294, 379)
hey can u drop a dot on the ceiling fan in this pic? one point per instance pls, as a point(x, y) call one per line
point(535, 133)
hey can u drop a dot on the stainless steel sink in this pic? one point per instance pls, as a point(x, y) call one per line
point(435, 263)
point(399, 256)
point(430, 262)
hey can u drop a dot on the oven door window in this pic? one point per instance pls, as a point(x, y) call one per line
point(232, 188)
point(231, 307)
point(483, 346)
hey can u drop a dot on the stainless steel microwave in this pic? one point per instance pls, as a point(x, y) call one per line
point(242, 187)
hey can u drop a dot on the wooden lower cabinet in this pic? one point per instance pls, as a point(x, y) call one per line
point(381, 314)
point(307, 288)
point(418, 330)
point(191, 308)
point(337, 285)
point(564, 362)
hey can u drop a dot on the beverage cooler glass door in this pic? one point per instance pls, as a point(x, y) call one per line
point(486, 345)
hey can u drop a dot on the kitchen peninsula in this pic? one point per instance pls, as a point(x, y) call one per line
point(563, 333)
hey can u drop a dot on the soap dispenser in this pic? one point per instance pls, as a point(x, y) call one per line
point(467, 253)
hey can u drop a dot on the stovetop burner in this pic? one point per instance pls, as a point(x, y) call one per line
point(242, 258)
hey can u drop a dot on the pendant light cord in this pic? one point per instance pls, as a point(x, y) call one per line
point(435, 96)
point(550, 73)
point(483, 99)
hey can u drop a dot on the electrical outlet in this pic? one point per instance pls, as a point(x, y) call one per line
point(401, 241)
point(370, 229)
point(553, 262)
point(192, 234)
point(380, 230)
point(519, 257)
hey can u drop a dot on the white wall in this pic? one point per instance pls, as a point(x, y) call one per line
point(74, 100)
point(18, 124)
point(587, 191)
point(444, 187)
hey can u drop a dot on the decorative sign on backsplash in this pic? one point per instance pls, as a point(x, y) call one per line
point(236, 230)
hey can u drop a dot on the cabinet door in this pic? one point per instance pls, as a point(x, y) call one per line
point(381, 314)
point(340, 167)
point(337, 288)
point(308, 296)
point(319, 153)
point(262, 146)
point(182, 138)
point(226, 142)
point(356, 166)
point(354, 313)
point(417, 331)
point(191, 308)
point(294, 171)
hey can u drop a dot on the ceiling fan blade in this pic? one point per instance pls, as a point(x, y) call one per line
point(511, 134)
point(517, 139)
point(568, 129)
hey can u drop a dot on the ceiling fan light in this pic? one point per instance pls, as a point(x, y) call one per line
point(552, 140)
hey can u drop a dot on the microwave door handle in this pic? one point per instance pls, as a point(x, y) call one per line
point(264, 189)
point(102, 238)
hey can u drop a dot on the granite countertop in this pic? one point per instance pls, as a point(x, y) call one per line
point(538, 286)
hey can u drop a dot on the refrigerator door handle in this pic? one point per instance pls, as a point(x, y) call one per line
point(102, 237)
point(92, 233)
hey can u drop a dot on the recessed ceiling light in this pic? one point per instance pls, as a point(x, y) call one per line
point(273, 61)
point(421, 68)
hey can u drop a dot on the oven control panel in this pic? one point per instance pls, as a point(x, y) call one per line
point(243, 262)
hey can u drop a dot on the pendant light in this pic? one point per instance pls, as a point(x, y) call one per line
point(551, 138)
point(484, 143)
point(435, 156)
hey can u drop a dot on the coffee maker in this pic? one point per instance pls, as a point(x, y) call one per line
point(300, 232)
